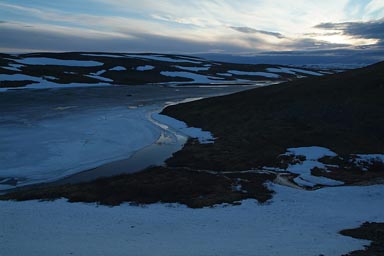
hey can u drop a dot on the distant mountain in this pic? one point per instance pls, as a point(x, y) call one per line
point(347, 59)
point(56, 70)
point(343, 112)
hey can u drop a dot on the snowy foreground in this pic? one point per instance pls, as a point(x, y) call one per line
point(296, 222)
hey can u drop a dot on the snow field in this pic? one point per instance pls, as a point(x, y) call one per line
point(295, 222)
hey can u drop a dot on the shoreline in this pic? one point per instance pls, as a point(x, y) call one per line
point(104, 165)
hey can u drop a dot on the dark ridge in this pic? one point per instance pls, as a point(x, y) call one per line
point(15, 84)
point(192, 188)
point(368, 231)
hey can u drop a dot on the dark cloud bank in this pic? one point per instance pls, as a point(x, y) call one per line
point(249, 30)
point(367, 30)
point(35, 39)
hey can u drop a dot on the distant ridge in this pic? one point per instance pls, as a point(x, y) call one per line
point(75, 69)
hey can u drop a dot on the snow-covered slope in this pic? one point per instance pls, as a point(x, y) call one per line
point(61, 70)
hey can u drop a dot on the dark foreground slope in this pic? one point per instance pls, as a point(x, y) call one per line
point(343, 112)
point(157, 184)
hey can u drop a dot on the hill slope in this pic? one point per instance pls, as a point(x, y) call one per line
point(343, 112)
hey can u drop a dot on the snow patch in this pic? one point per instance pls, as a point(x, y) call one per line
point(18, 77)
point(281, 70)
point(194, 69)
point(145, 68)
point(244, 73)
point(10, 68)
point(101, 78)
point(293, 71)
point(14, 67)
point(58, 62)
point(197, 78)
point(98, 73)
point(50, 78)
point(41, 83)
point(368, 159)
point(311, 153)
point(118, 68)
point(204, 137)
point(371, 157)
point(335, 66)
point(102, 55)
point(161, 58)
point(303, 169)
point(224, 74)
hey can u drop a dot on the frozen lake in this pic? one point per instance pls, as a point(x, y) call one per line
point(46, 135)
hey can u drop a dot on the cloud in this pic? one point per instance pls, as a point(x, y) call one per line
point(185, 26)
point(314, 34)
point(54, 38)
point(313, 44)
point(365, 10)
point(60, 38)
point(249, 30)
point(192, 21)
point(364, 30)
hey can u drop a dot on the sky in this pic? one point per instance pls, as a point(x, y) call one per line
point(191, 26)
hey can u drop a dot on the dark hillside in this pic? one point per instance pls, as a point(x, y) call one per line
point(343, 112)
